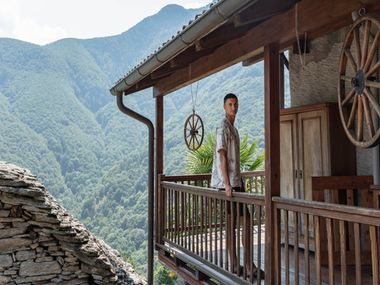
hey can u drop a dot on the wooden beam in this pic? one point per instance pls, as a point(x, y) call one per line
point(316, 17)
point(159, 165)
point(272, 158)
point(254, 59)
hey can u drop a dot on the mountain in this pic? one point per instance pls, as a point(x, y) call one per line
point(59, 120)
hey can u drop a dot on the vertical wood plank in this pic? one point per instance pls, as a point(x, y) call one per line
point(197, 223)
point(233, 238)
point(216, 231)
point(253, 209)
point(286, 237)
point(343, 248)
point(296, 249)
point(317, 233)
point(210, 228)
point(226, 234)
point(259, 217)
point(277, 237)
point(358, 262)
point(221, 211)
point(182, 216)
point(306, 253)
point(238, 237)
point(245, 261)
point(176, 210)
point(374, 254)
point(330, 249)
point(272, 151)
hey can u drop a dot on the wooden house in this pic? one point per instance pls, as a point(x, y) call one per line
point(317, 219)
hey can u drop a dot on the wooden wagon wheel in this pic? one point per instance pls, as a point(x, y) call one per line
point(193, 131)
point(359, 82)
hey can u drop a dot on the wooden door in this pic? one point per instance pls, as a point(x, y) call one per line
point(314, 159)
point(314, 156)
point(288, 156)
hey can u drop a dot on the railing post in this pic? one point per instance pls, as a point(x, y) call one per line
point(160, 210)
point(272, 160)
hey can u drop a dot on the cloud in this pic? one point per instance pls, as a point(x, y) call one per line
point(13, 25)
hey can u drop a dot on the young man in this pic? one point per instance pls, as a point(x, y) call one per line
point(226, 176)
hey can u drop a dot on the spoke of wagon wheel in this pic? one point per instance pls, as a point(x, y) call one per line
point(365, 42)
point(196, 123)
point(198, 143)
point(357, 45)
point(189, 134)
point(372, 100)
point(373, 69)
point(372, 51)
point(359, 131)
point(351, 119)
point(351, 59)
point(368, 117)
point(348, 97)
point(192, 126)
point(346, 78)
point(373, 84)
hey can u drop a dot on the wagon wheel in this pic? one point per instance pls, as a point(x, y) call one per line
point(193, 131)
point(359, 82)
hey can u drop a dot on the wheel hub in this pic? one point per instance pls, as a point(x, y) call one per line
point(358, 82)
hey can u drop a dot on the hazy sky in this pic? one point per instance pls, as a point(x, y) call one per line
point(44, 21)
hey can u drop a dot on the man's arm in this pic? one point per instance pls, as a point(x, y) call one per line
point(224, 167)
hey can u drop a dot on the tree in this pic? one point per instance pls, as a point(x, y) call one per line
point(200, 160)
point(164, 276)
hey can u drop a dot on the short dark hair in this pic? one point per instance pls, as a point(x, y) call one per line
point(229, 96)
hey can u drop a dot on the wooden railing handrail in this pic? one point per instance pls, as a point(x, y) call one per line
point(206, 176)
point(328, 210)
point(341, 182)
point(214, 193)
point(187, 177)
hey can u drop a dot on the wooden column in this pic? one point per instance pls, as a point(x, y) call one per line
point(159, 162)
point(282, 83)
point(272, 159)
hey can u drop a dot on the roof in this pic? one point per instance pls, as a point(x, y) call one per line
point(217, 13)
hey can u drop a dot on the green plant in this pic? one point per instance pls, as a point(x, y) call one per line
point(200, 160)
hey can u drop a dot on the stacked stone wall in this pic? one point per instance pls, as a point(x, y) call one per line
point(40, 243)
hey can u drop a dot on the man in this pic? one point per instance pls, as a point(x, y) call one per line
point(226, 176)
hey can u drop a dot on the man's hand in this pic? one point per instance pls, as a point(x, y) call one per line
point(228, 190)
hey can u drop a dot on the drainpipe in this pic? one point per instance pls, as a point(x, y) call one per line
point(149, 124)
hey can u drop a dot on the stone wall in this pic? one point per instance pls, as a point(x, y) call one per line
point(40, 243)
point(317, 82)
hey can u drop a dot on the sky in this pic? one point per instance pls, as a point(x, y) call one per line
point(45, 21)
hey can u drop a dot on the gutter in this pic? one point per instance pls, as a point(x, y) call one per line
point(211, 19)
point(148, 123)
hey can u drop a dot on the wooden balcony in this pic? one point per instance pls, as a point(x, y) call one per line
point(315, 242)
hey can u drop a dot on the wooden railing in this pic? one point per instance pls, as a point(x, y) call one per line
point(323, 243)
point(200, 221)
point(254, 181)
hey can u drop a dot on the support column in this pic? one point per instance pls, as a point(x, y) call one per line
point(159, 163)
point(272, 160)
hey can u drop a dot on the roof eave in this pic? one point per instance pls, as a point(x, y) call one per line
point(211, 19)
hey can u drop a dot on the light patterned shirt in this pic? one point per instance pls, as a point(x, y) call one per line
point(227, 138)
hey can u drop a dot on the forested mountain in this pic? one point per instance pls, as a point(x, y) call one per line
point(58, 119)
